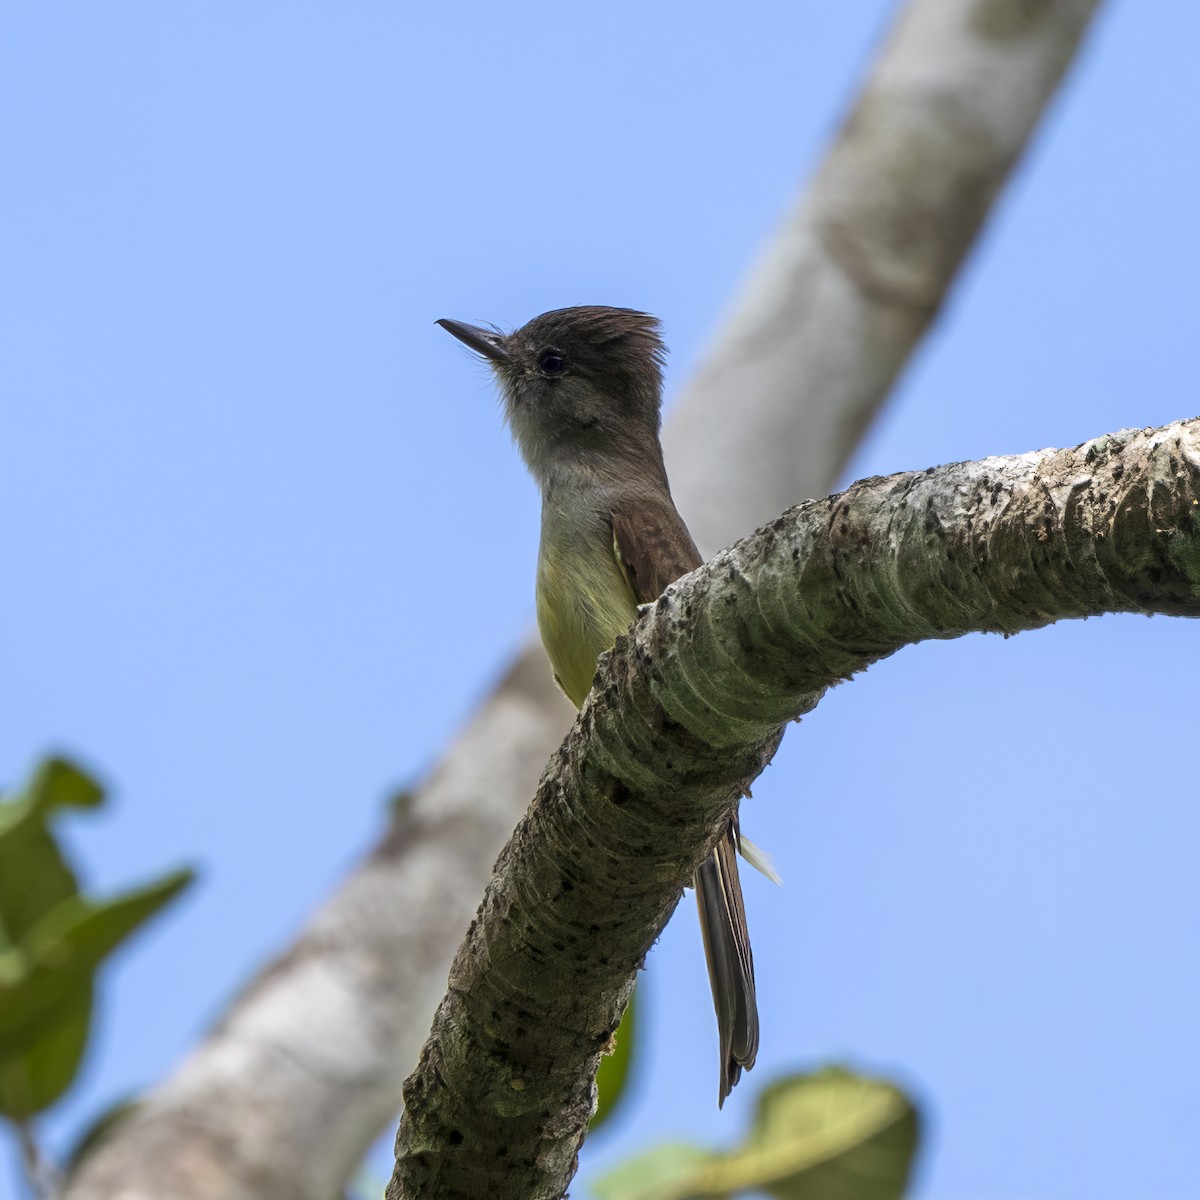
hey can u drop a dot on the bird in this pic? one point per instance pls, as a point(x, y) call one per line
point(582, 394)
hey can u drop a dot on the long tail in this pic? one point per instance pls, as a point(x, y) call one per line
point(730, 962)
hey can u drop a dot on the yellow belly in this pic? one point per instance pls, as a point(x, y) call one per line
point(584, 603)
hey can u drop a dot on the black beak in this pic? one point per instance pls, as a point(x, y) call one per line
point(483, 341)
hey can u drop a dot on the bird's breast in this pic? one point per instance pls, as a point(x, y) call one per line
point(584, 602)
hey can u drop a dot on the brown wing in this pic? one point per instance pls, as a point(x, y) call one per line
point(652, 544)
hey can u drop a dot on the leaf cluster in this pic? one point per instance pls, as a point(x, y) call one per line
point(53, 939)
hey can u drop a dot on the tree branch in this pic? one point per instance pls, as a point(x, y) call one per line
point(678, 722)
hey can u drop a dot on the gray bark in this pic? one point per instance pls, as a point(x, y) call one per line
point(683, 716)
point(831, 313)
point(304, 1070)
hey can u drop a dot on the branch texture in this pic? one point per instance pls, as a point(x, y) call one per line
point(682, 714)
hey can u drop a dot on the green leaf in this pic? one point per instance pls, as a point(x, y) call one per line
point(42, 1067)
point(52, 939)
point(832, 1135)
point(59, 783)
point(80, 933)
point(45, 1011)
point(664, 1171)
point(613, 1076)
point(62, 951)
point(34, 875)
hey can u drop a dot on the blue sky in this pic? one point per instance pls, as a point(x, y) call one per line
point(238, 458)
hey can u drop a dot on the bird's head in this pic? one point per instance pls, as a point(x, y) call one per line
point(581, 384)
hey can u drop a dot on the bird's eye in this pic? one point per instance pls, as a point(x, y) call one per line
point(552, 362)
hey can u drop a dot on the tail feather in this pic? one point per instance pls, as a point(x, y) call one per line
point(730, 961)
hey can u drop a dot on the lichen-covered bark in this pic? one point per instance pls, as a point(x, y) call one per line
point(685, 711)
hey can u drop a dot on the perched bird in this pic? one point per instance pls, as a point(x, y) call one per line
point(582, 390)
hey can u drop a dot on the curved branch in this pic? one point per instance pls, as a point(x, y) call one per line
point(683, 714)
